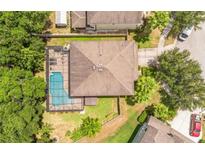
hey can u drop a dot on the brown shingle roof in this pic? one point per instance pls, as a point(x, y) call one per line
point(114, 17)
point(102, 68)
point(159, 132)
point(78, 18)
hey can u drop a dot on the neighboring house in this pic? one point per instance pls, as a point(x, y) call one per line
point(89, 69)
point(106, 20)
point(155, 131)
point(61, 19)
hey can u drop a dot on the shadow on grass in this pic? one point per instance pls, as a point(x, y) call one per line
point(134, 133)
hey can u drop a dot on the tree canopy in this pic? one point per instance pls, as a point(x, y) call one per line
point(183, 19)
point(159, 19)
point(180, 76)
point(144, 87)
point(21, 98)
point(18, 47)
point(89, 127)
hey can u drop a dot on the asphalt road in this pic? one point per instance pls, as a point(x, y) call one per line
point(196, 45)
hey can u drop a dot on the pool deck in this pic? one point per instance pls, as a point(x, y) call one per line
point(58, 61)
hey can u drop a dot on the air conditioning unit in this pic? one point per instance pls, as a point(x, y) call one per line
point(66, 47)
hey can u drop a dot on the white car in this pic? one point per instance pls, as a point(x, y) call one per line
point(185, 33)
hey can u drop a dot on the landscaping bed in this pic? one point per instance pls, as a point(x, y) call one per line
point(105, 109)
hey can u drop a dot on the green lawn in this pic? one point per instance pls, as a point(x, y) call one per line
point(61, 122)
point(124, 133)
point(63, 41)
point(127, 132)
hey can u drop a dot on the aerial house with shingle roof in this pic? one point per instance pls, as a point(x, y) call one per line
point(106, 20)
point(92, 69)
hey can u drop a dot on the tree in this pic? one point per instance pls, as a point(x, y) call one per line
point(183, 19)
point(18, 47)
point(90, 126)
point(162, 112)
point(159, 19)
point(21, 98)
point(180, 77)
point(144, 88)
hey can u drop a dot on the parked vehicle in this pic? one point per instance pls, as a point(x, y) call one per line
point(185, 33)
point(195, 125)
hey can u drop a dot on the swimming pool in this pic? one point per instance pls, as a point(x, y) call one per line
point(57, 91)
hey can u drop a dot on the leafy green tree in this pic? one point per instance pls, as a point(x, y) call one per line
point(17, 41)
point(90, 126)
point(183, 19)
point(162, 112)
point(182, 84)
point(144, 88)
point(21, 98)
point(159, 19)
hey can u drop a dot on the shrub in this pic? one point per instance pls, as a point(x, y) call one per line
point(201, 141)
point(144, 88)
point(68, 133)
point(76, 134)
point(143, 117)
point(163, 113)
point(89, 127)
point(148, 71)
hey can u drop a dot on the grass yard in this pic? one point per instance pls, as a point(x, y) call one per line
point(127, 132)
point(123, 134)
point(152, 43)
point(63, 41)
point(62, 122)
point(169, 40)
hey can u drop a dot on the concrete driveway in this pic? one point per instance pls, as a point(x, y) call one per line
point(181, 123)
point(196, 45)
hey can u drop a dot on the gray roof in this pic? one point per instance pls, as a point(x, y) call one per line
point(97, 18)
point(102, 68)
point(159, 132)
point(61, 17)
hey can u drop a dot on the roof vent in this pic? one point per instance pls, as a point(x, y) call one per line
point(100, 67)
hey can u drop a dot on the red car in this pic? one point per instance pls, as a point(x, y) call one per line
point(195, 126)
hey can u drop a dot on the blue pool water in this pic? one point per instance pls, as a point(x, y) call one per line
point(57, 91)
